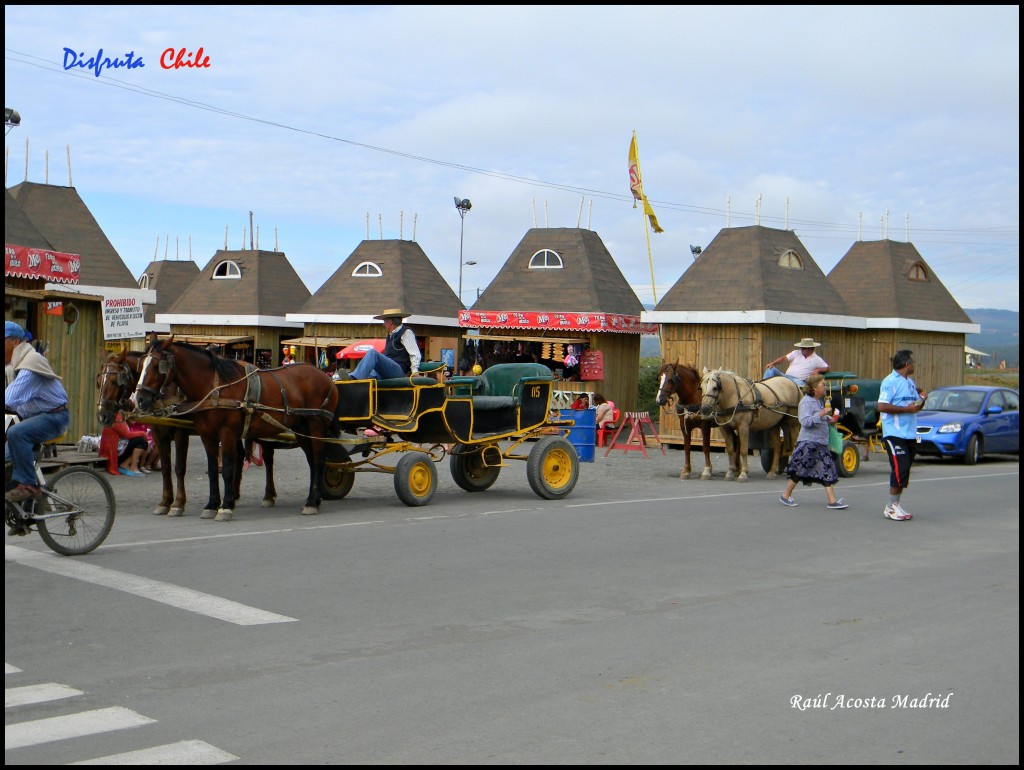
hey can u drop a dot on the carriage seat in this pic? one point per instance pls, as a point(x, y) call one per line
point(501, 385)
point(427, 375)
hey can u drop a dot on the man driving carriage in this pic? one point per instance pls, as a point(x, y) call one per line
point(803, 362)
point(401, 356)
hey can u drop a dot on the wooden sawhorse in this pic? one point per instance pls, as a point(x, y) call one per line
point(636, 440)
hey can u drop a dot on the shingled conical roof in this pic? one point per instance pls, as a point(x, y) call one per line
point(754, 268)
point(580, 275)
point(267, 286)
point(18, 228)
point(887, 279)
point(384, 274)
point(169, 279)
point(63, 219)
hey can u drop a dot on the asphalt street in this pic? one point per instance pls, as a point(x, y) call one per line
point(644, 619)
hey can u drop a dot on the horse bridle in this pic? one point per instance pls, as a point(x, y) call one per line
point(673, 379)
point(122, 374)
point(165, 366)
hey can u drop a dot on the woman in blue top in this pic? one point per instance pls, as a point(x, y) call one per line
point(812, 461)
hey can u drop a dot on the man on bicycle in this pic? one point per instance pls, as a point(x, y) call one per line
point(37, 395)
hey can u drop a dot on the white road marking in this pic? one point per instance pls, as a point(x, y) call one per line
point(9, 669)
point(37, 693)
point(38, 731)
point(180, 753)
point(166, 593)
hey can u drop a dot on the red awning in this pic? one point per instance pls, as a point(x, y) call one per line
point(52, 266)
point(555, 321)
point(361, 348)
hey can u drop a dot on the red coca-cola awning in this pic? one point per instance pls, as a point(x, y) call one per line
point(44, 264)
point(555, 321)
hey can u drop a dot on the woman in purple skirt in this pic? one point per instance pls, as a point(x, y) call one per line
point(812, 461)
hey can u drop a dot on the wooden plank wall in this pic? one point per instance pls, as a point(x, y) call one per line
point(76, 354)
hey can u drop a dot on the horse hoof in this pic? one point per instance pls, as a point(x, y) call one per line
point(730, 476)
point(160, 510)
point(208, 513)
point(224, 514)
point(706, 476)
point(742, 477)
point(268, 503)
point(309, 510)
point(176, 512)
point(684, 475)
point(770, 476)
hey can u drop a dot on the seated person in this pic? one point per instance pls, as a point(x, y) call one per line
point(803, 362)
point(123, 448)
point(582, 402)
point(605, 411)
point(401, 356)
point(37, 395)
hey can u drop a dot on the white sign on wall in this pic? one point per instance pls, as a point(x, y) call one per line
point(123, 318)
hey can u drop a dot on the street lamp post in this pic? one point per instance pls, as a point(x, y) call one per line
point(463, 205)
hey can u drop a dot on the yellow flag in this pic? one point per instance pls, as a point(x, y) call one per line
point(636, 186)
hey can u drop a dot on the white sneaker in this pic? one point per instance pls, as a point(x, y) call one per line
point(896, 513)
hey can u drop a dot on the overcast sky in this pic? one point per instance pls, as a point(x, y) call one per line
point(846, 123)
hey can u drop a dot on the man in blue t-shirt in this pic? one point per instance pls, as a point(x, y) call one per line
point(899, 401)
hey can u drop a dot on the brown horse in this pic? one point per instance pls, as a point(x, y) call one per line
point(738, 406)
point(683, 383)
point(116, 382)
point(229, 401)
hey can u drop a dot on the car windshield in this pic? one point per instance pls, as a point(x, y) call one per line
point(966, 401)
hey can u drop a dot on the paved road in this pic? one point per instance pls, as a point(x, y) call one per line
point(642, 620)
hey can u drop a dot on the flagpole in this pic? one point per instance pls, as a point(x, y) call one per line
point(647, 226)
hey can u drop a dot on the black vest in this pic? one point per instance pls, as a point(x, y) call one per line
point(395, 350)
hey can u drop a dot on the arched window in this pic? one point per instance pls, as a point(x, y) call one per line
point(144, 281)
point(917, 272)
point(546, 258)
point(790, 259)
point(367, 270)
point(228, 269)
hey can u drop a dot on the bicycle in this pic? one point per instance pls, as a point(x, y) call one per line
point(73, 512)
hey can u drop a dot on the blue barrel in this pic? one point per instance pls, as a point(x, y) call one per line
point(583, 436)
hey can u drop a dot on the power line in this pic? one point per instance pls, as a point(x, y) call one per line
point(1008, 231)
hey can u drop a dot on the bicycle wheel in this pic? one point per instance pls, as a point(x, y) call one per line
point(88, 501)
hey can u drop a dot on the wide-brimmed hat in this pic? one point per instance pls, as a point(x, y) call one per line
point(807, 342)
point(392, 313)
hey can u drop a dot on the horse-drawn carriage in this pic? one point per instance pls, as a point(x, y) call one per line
point(403, 427)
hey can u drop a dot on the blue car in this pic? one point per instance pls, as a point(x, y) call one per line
point(967, 421)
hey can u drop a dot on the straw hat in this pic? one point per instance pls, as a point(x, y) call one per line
point(807, 342)
point(392, 313)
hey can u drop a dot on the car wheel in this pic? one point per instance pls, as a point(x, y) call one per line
point(974, 450)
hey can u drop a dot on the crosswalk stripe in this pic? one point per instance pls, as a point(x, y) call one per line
point(180, 753)
point(38, 731)
point(167, 593)
point(37, 693)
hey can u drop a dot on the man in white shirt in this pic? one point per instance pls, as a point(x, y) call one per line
point(803, 362)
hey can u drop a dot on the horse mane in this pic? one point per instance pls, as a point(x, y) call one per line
point(227, 368)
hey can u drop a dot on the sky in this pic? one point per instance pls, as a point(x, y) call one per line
point(334, 124)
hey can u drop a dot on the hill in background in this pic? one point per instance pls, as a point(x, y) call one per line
point(999, 337)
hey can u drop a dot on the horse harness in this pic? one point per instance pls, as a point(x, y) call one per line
point(756, 403)
point(250, 404)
